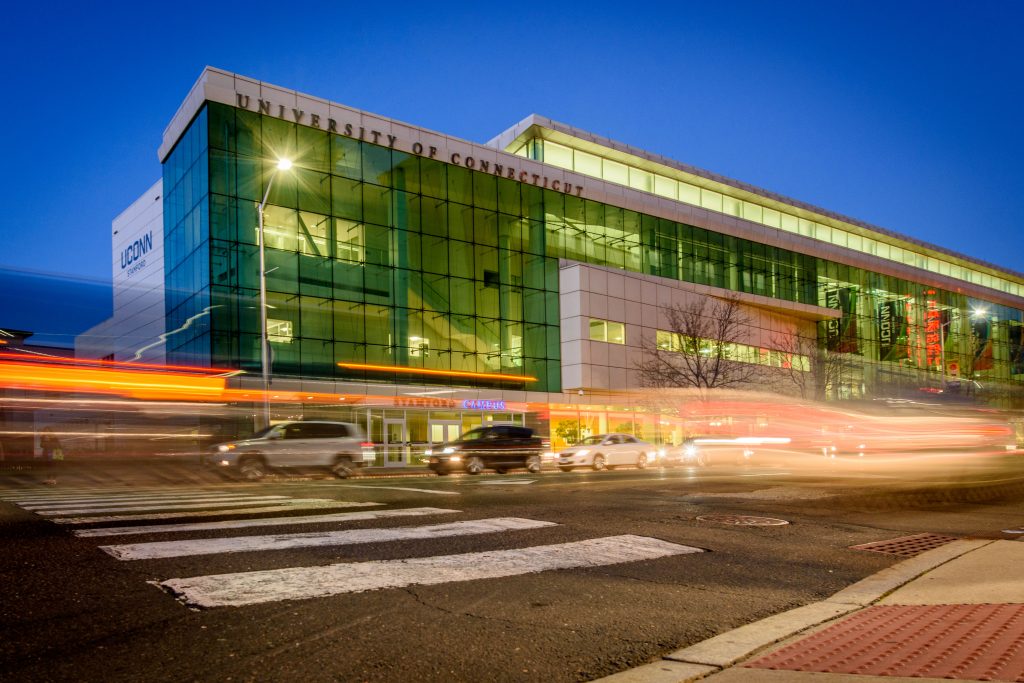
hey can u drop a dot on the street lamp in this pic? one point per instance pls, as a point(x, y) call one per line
point(282, 165)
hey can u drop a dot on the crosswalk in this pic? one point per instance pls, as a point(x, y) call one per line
point(155, 512)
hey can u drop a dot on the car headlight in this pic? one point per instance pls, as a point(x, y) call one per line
point(448, 450)
point(429, 451)
point(690, 451)
point(225, 447)
point(225, 463)
point(455, 458)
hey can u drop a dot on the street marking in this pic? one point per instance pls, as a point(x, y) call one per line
point(242, 544)
point(172, 506)
point(88, 510)
point(149, 499)
point(266, 521)
point(767, 474)
point(250, 588)
point(1013, 531)
point(126, 497)
point(282, 507)
point(401, 488)
point(505, 482)
point(52, 495)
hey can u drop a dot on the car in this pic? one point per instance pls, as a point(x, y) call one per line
point(607, 451)
point(497, 447)
point(335, 447)
point(718, 449)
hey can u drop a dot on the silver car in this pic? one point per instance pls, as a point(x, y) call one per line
point(607, 451)
point(335, 447)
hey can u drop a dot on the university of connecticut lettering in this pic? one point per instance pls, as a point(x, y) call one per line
point(386, 139)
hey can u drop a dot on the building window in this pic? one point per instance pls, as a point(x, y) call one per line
point(740, 353)
point(419, 347)
point(667, 341)
point(279, 331)
point(607, 331)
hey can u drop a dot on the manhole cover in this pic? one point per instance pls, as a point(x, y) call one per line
point(906, 546)
point(742, 520)
point(967, 642)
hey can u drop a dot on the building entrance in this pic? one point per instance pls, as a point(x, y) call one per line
point(396, 444)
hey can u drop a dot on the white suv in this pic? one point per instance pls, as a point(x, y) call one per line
point(338, 447)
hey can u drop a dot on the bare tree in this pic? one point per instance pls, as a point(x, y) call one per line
point(699, 347)
point(808, 366)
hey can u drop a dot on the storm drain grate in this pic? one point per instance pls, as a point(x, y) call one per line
point(972, 642)
point(742, 520)
point(906, 546)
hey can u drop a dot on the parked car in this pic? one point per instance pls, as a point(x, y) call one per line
point(336, 447)
point(499, 447)
point(607, 451)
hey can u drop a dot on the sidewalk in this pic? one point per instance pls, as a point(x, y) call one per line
point(955, 612)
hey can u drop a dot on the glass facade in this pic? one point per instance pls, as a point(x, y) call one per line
point(374, 257)
point(187, 247)
point(382, 258)
point(723, 199)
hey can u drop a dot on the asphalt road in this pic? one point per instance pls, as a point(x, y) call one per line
point(72, 611)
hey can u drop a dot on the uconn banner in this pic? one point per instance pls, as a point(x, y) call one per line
point(841, 333)
point(892, 331)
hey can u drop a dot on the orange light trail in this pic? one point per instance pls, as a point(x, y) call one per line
point(440, 373)
point(127, 365)
point(142, 385)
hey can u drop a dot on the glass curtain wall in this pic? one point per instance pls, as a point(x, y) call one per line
point(375, 257)
point(379, 257)
point(186, 251)
point(678, 190)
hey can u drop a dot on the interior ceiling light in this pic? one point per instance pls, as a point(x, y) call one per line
point(438, 373)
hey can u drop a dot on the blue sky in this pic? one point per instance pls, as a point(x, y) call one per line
point(905, 115)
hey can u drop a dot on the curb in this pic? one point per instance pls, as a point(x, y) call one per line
point(722, 651)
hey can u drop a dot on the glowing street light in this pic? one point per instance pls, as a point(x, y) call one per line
point(282, 165)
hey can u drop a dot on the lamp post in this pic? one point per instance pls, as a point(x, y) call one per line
point(282, 165)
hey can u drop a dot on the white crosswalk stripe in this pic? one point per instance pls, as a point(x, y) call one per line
point(436, 492)
point(250, 588)
point(107, 493)
point(48, 512)
point(360, 516)
point(140, 501)
point(128, 497)
point(238, 544)
point(288, 505)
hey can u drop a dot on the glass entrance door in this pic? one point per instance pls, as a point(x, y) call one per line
point(396, 446)
point(441, 431)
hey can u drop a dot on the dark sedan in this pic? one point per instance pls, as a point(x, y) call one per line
point(500, 447)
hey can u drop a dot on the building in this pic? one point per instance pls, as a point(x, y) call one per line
point(134, 331)
point(432, 284)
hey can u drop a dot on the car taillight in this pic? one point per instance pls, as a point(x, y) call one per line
point(367, 444)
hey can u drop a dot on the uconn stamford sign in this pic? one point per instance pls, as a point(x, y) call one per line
point(133, 258)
